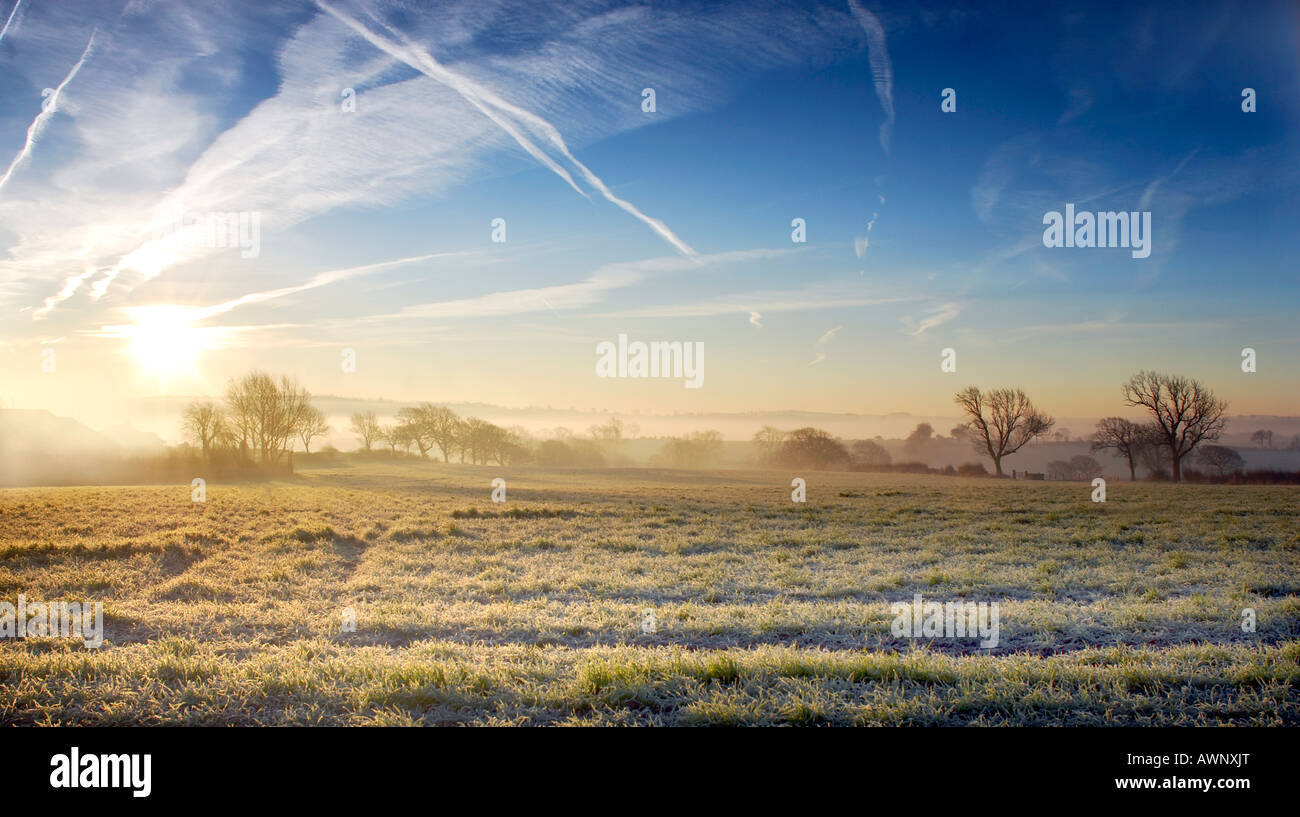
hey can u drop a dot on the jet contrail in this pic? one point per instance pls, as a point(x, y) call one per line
point(319, 280)
point(12, 14)
point(882, 72)
point(48, 109)
point(493, 106)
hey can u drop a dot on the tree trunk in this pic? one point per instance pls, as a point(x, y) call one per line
point(997, 465)
point(1132, 470)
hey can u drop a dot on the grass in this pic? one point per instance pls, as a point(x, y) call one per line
point(230, 611)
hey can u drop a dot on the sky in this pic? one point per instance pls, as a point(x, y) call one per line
point(461, 202)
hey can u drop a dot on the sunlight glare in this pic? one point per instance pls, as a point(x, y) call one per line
point(164, 340)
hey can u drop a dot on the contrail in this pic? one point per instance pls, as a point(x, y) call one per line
point(493, 106)
point(12, 14)
point(47, 110)
point(318, 280)
point(882, 72)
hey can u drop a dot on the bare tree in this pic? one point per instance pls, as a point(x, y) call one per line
point(415, 422)
point(313, 425)
point(366, 426)
point(1079, 467)
point(1125, 437)
point(442, 426)
point(479, 439)
point(699, 449)
point(1001, 421)
point(768, 439)
point(267, 415)
point(613, 431)
point(1220, 458)
point(1185, 412)
point(1150, 452)
point(611, 437)
point(203, 423)
point(295, 411)
point(1262, 438)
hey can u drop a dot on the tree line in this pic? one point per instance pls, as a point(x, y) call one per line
point(438, 429)
point(1185, 417)
point(262, 417)
point(1183, 413)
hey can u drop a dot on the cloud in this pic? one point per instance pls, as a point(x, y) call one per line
point(860, 243)
point(1149, 194)
point(319, 280)
point(882, 72)
point(812, 297)
point(576, 295)
point(937, 317)
point(820, 347)
point(1113, 328)
point(824, 339)
point(1081, 100)
point(511, 118)
point(755, 319)
point(9, 22)
point(162, 120)
point(49, 107)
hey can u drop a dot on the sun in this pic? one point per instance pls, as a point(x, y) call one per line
point(164, 340)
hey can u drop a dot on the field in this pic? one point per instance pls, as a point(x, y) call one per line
point(230, 611)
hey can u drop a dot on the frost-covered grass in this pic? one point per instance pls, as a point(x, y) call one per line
point(229, 611)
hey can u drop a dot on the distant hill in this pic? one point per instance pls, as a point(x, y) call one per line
point(34, 431)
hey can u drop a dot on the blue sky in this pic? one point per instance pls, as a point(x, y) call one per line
point(924, 228)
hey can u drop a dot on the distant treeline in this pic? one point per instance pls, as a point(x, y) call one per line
point(261, 420)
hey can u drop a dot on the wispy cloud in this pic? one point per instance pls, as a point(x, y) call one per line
point(882, 71)
point(577, 295)
point(937, 317)
point(831, 295)
point(819, 348)
point(1081, 100)
point(860, 243)
point(293, 156)
point(755, 318)
point(9, 22)
point(1149, 193)
point(510, 118)
point(1114, 328)
point(319, 280)
point(49, 107)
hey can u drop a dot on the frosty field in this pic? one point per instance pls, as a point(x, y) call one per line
point(531, 611)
